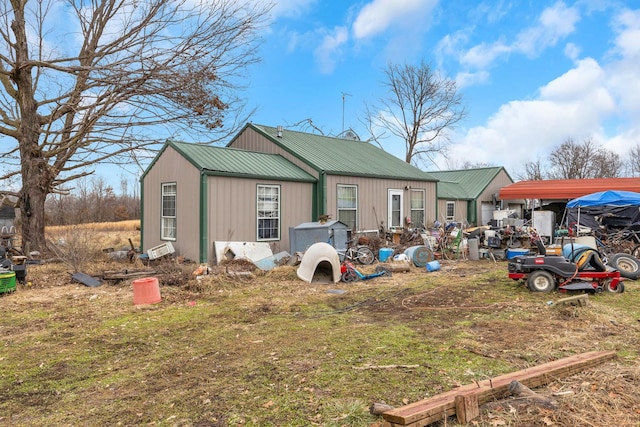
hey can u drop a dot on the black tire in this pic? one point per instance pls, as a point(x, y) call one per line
point(636, 252)
point(541, 281)
point(365, 256)
point(627, 265)
point(349, 276)
point(618, 289)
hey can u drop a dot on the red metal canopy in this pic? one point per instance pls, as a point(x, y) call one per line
point(566, 189)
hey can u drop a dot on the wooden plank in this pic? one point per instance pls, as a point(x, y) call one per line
point(424, 412)
point(467, 407)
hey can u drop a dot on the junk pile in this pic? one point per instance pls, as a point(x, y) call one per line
point(12, 270)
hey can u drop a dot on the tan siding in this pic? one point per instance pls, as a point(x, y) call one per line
point(460, 210)
point(232, 210)
point(172, 167)
point(373, 198)
point(493, 189)
point(252, 141)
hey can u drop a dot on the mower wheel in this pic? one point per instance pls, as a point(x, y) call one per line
point(627, 265)
point(618, 289)
point(541, 281)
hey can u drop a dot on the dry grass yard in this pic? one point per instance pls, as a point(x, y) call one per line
point(271, 350)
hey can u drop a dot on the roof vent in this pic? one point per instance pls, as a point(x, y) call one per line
point(279, 134)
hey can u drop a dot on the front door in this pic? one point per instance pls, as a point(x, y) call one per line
point(394, 218)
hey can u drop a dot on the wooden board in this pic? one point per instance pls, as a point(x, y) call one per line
point(427, 411)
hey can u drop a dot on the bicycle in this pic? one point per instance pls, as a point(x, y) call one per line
point(363, 254)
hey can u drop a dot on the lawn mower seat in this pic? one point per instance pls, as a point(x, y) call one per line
point(590, 260)
point(584, 256)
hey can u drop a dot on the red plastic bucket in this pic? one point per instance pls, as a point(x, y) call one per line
point(146, 291)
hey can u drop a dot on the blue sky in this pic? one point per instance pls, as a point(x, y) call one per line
point(531, 73)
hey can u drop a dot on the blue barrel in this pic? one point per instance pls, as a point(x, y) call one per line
point(384, 254)
point(420, 255)
point(433, 266)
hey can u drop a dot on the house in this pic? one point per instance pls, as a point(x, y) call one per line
point(471, 195)
point(269, 179)
point(7, 216)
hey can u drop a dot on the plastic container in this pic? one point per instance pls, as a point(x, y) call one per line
point(7, 282)
point(514, 252)
point(420, 255)
point(384, 254)
point(474, 250)
point(146, 291)
point(433, 266)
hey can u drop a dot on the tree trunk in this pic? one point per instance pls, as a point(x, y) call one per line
point(35, 172)
point(32, 201)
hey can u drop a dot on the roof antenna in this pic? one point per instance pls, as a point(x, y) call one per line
point(344, 94)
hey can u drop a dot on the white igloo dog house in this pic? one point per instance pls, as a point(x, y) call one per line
point(320, 264)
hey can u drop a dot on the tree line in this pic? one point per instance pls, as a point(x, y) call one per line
point(93, 201)
point(583, 160)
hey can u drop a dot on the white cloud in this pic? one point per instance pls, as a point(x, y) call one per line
point(573, 105)
point(326, 53)
point(572, 51)
point(483, 55)
point(379, 15)
point(555, 23)
point(291, 8)
point(466, 79)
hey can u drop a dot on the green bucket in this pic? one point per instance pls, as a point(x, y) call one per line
point(7, 282)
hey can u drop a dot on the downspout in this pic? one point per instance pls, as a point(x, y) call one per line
point(142, 214)
point(322, 195)
point(204, 224)
point(472, 213)
point(437, 203)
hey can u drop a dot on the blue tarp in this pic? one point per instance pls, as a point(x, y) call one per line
point(606, 198)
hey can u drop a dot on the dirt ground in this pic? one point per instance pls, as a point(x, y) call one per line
point(606, 395)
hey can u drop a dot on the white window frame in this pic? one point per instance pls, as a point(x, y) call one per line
point(273, 215)
point(348, 209)
point(421, 209)
point(168, 223)
point(453, 209)
point(390, 211)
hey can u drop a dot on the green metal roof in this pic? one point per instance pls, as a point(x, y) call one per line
point(336, 156)
point(465, 183)
point(240, 163)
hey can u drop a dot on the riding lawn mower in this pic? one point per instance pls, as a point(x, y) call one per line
point(579, 268)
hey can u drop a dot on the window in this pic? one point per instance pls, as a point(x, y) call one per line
point(169, 220)
point(268, 212)
point(348, 205)
point(451, 211)
point(394, 216)
point(417, 208)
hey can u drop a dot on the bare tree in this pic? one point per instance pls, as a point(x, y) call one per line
point(633, 162)
point(421, 108)
point(84, 82)
point(572, 160)
point(533, 171)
